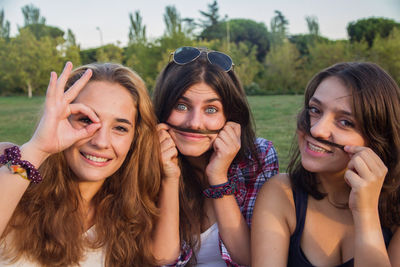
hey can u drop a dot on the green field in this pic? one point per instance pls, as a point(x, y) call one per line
point(274, 116)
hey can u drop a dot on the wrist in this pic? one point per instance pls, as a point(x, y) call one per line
point(34, 155)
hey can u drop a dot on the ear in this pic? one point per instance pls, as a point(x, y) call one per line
point(4, 146)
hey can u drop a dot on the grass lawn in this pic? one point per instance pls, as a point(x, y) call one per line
point(274, 117)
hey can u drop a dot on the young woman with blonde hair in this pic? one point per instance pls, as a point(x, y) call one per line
point(83, 190)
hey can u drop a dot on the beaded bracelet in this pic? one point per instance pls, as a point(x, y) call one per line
point(220, 190)
point(12, 158)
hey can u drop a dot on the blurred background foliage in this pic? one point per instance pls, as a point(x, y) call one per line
point(268, 59)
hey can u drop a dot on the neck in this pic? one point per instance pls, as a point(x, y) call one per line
point(199, 165)
point(88, 190)
point(336, 188)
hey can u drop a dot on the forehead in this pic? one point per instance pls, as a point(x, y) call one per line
point(108, 99)
point(200, 90)
point(332, 90)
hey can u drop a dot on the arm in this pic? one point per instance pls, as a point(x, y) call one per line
point(166, 243)
point(365, 175)
point(273, 222)
point(232, 226)
point(53, 134)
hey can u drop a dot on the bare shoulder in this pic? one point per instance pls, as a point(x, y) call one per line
point(277, 191)
point(275, 202)
point(278, 186)
point(4, 146)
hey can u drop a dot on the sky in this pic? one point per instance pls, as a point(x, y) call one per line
point(97, 22)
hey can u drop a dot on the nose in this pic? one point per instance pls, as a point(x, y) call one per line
point(322, 128)
point(101, 138)
point(194, 120)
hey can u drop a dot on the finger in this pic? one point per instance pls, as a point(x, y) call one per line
point(170, 153)
point(163, 126)
point(371, 159)
point(81, 108)
point(51, 89)
point(354, 149)
point(235, 126)
point(167, 144)
point(352, 179)
point(163, 135)
point(62, 80)
point(87, 131)
point(358, 165)
point(74, 90)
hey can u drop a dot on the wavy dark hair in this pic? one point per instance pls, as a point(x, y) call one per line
point(47, 227)
point(376, 108)
point(171, 84)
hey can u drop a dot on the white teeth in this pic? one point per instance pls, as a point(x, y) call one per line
point(95, 159)
point(316, 148)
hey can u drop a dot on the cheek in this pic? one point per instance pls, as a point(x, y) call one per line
point(122, 145)
point(176, 118)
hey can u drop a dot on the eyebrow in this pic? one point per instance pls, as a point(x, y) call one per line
point(344, 112)
point(119, 120)
point(207, 101)
point(124, 121)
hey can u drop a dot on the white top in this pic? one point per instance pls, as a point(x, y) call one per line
point(93, 257)
point(209, 254)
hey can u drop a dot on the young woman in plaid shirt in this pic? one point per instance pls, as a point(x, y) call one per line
point(213, 164)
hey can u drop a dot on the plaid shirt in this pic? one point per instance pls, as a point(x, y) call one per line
point(249, 183)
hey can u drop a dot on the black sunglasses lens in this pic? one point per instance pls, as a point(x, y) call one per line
point(186, 54)
point(220, 59)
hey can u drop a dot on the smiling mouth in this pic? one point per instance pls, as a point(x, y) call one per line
point(188, 130)
point(318, 149)
point(94, 158)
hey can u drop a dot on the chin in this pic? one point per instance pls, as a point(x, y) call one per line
point(193, 152)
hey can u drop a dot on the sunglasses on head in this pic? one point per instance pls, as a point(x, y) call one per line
point(187, 54)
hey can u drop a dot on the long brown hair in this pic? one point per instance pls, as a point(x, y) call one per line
point(376, 107)
point(171, 84)
point(47, 224)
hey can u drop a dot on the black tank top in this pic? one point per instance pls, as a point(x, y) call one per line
point(296, 256)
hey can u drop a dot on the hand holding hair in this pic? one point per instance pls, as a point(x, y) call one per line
point(226, 146)
point(365, 174)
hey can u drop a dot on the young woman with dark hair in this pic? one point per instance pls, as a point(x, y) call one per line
point(93, 201)
point(213, 165)
point(339, 203)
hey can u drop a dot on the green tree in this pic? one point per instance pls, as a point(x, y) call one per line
point(278, 27)
point(37, 24)
point(173, 21)
point(210, 24)
point(4, 26)
point(312, 25)
point(282, 70)
point(109, 53)
point(247, 31)
point(368, 29)
point(245, 60)
point(137, 31)
point(71, 49)
point(31, 61)
point(211, 16)
point(385, 52)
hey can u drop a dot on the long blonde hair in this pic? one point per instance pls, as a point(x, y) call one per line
point(47, 224)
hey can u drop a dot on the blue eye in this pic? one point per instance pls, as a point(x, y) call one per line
point(181, 107)
point(211, 110)
point(313, 110)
